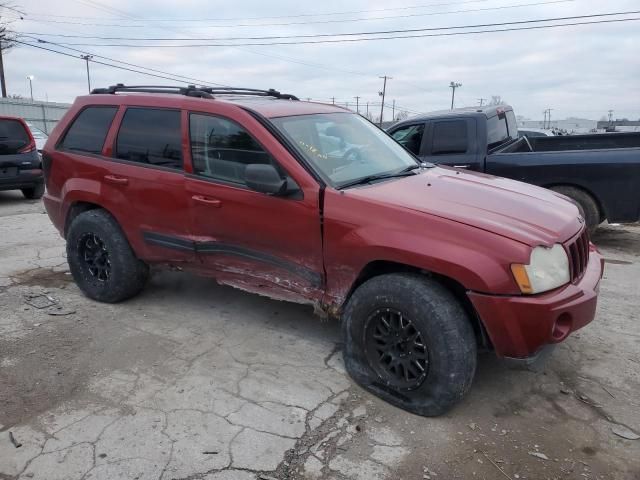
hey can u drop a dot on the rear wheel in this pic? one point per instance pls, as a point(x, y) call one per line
point(101, 260)
point(409, 341)
point(34, 192)
point(585, 203)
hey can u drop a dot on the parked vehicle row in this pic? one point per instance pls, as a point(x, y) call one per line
point(424, 264)
point(601, 173)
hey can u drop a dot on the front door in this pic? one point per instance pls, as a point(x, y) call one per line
point(258, 242)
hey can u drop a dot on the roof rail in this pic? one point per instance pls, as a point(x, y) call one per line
point(193, 91)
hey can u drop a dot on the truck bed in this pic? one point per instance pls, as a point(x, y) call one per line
point(604, 141)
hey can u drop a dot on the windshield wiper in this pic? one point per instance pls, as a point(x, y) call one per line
point(405, 172)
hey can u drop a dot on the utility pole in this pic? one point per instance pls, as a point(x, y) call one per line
point(333, 100)
point(357, 104)
point(87, 58)
point(2, 81)
point(549, 116)
point(367, 109)
point(382, 94)
point(610, 117)
point(453, 86)
point(544, 122)
point(393, 110)
point(481, 101)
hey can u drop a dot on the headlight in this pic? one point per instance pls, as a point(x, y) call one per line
point(548, 268)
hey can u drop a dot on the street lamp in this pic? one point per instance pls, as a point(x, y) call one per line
point(453, 86)
point(30, 78)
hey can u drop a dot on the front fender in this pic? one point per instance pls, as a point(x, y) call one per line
point(477, 259)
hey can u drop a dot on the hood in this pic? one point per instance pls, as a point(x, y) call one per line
point(516, 210)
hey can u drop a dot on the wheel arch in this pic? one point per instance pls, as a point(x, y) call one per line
point(602, 212)
point(382, 267)
point(78, 207)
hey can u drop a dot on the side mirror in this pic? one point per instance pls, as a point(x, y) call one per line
point(264, 178)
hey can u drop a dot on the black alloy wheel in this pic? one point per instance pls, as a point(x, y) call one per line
point(95, 255)
point(396, 349)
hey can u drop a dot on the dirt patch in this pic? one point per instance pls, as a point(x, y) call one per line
point(43, 277)
point(43, 368)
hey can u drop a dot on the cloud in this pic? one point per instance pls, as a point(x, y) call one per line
point(578, 71)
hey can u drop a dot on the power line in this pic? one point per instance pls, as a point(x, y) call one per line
point(183, 77)
point(353, 40)
point(307, 22)
point(101, 63)
point(320, 35)
point(278, 16)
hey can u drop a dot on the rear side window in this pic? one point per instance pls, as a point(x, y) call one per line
point(150, 136)
point(449, 137)
point(13, 136)
point(222, 149)
point(89, 130)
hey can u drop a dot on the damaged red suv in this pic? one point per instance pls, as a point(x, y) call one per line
point(310, 203)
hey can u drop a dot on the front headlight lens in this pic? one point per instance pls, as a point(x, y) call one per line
point(548, 268)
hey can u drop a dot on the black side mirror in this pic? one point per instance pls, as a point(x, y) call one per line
point(264, 178)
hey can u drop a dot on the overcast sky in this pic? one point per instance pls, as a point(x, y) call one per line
point(580, 71)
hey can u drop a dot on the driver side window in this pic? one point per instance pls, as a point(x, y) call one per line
point(222, 149)
point(410, 137)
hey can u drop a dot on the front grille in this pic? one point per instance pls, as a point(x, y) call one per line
point(578, 251)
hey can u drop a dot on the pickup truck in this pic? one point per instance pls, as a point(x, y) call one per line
point(599, 172)
point(314, 204)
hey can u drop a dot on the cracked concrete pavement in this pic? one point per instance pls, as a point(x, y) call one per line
point(192, 380)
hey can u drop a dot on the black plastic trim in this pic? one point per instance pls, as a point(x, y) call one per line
point(178, 243)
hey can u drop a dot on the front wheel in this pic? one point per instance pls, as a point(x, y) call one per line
point(409, 341)
point(101, 260)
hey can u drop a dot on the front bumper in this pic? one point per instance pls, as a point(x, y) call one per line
point(520, 326)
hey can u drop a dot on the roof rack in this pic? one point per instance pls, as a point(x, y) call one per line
point(193, 91)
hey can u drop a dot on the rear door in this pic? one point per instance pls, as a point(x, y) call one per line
point(258, 242)
point(453, 142)
point(143, 183)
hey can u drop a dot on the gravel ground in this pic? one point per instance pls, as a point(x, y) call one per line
point(192, 380)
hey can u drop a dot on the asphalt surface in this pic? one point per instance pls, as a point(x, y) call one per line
point(192, 380)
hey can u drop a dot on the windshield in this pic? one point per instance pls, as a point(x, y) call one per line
point(344, 147)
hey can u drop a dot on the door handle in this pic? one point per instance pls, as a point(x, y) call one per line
point(116, 180)
point(212, 202)
point(461, 166)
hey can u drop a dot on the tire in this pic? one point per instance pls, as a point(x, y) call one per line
point(101, 260)
point(585, 203)
point(443, 328)
point(33, 193)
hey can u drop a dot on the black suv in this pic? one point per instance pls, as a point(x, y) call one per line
point(20, 164)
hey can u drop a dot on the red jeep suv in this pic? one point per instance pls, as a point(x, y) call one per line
point(311, 203)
